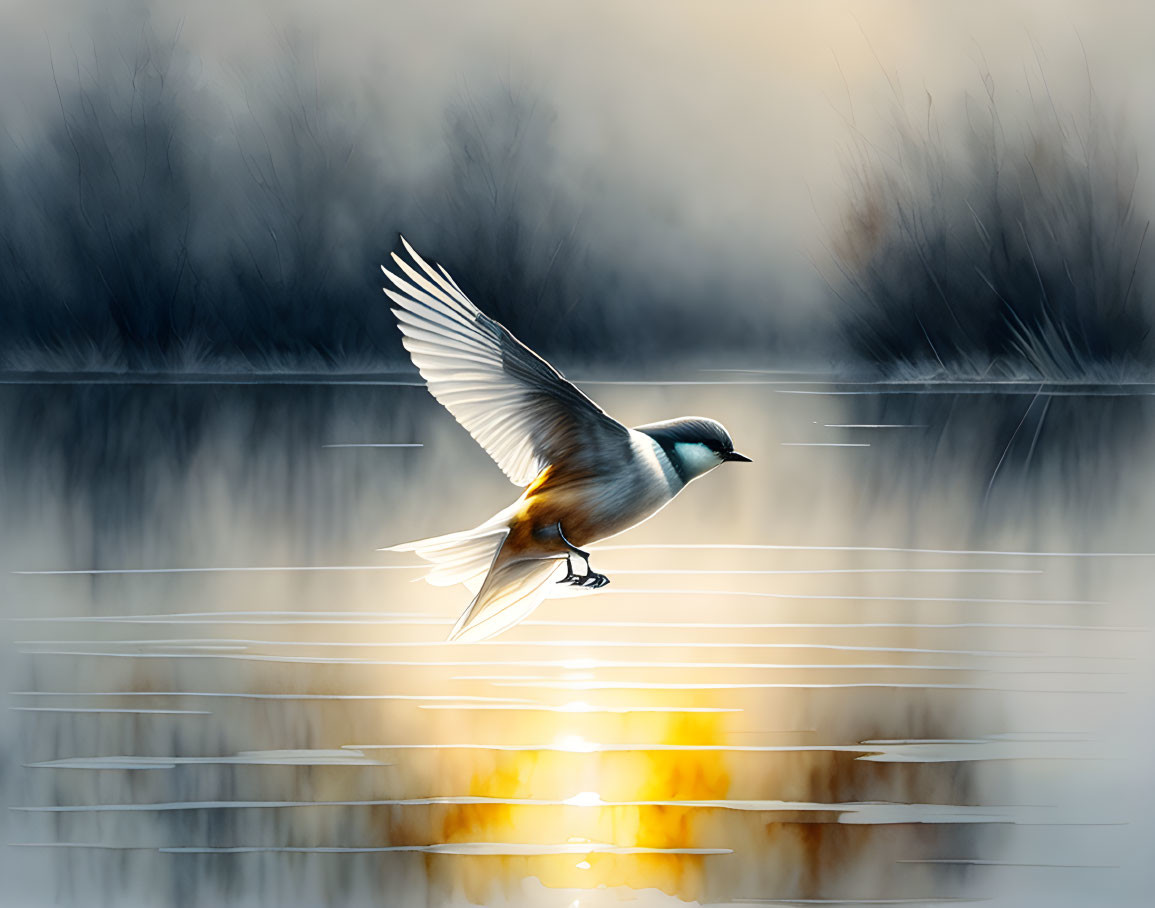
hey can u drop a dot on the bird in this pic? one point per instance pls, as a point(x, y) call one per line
point(585, 475)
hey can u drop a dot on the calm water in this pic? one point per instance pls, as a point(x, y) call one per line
point(905, 655)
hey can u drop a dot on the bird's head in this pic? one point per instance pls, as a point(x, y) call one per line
point(694, 444)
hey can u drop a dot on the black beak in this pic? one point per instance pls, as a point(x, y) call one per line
point(735, 456)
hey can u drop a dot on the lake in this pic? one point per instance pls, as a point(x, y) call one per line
point(903, 657)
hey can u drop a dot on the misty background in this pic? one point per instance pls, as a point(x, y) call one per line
point(925, 604)
point(955, 188)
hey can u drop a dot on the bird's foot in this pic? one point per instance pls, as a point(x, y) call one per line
point(594, 580)
point(590, 578)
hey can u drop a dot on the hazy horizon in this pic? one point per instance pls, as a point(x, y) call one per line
point(606, 178)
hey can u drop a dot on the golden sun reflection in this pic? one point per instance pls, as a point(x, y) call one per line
point(574, 744)
point(591, 800)
point(585, 799)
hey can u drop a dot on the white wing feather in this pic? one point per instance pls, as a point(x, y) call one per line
point(515, 404)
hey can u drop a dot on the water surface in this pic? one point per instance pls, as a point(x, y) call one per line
point(902, 658)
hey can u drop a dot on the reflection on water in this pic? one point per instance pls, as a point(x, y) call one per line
point(1070, 442)
point(904, 656)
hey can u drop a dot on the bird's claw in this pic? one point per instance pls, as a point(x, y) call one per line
point(593, 580)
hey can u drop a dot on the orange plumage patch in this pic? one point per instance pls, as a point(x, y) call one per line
point(542, 479)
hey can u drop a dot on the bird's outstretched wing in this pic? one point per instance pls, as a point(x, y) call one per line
point(515, 404)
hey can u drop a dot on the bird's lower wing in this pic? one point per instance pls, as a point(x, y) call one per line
point(511, 591)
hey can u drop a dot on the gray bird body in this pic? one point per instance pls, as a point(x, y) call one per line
point(586, 475)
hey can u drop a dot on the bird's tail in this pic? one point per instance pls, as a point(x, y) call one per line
point(458, 557)
point(506, 589)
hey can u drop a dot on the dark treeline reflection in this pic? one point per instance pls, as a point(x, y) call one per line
point(1009, 448)
point(119, 455)
point(116, 464)
point(109, 446)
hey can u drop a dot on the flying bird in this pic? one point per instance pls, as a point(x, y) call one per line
point(586, 476)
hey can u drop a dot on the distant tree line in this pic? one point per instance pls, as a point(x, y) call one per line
point(146, 228)
point(1023, 252)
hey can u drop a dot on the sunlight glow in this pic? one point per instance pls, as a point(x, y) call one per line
point(575, 744)
point(583, 865)
point(585, 799)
